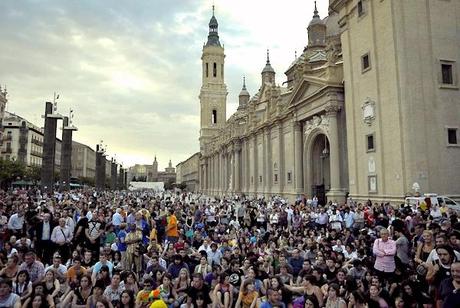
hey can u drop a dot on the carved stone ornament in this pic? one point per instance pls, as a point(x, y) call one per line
point(321, 122)
point(368, 108)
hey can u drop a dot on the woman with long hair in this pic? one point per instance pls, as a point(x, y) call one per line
point(167, 290)
point(97, 296)
point(22, 285)
point(424, 248)
point(127, 299)
point(308, 288)
point(130, 282)
point(181, 285)
point(203, 267)
point(51, 283)
point(38, 301)
point(223, 292)
point(83, 292)
point(248, 295)
point(103, 303)
point(11, 268)
point(357, 300)
point(333, 297)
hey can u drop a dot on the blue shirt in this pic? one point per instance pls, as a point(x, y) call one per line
point(121, 235)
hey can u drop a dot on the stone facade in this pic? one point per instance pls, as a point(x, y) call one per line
point(187, 172)
point(23, 141)
point(150, 173)
point(388, 131)
point(83, 161)
point(401, 99)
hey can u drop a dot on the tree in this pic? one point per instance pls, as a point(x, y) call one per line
point(182, 186)
point(33, 173)
point(87, 181)
point(169, 184)
point(10, 171)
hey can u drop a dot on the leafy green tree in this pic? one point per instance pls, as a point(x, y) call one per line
point(33, 173)
point(169, 184)
point(10, 171)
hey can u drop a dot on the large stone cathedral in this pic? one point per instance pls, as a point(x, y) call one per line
point(370, 109)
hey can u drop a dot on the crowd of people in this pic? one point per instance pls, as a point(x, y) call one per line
point(143, 249)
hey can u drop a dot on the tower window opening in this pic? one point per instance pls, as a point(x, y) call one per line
point(207, 70)
point(222, 71)
point(214, 70)
point(214, 117)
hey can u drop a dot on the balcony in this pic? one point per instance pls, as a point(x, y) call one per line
point(7, 137)
point(37, 142)
point(7, 151)
point(36, 153)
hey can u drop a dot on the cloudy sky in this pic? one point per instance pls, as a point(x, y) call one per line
point(131, 70)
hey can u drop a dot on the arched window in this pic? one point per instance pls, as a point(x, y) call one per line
point(207, 70)
point(214, 117)
point(214, 70)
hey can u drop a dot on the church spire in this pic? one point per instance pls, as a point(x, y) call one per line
point(213, 37)
point(315, 12)
point(268, 67)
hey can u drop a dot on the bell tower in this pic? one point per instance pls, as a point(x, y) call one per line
point(213, 94)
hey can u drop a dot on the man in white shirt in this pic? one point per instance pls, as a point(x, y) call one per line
point(16, 223)
point(58, 267)
point(117, 220)
point(61, 237)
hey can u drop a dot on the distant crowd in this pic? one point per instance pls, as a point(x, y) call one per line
point(143, 249)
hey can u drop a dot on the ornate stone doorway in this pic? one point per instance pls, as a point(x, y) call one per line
point(321, 175)
point(317, 167)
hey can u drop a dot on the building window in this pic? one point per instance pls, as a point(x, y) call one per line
point(276, 178)
point(260, 179)
point(289, 177)
point(214, 117)
point(370, 142)
point(214, 70)
point(360, 7)
point(222, 71)
point(452, 136)
point(365, 63)
point(207, 70)
point(446, 72)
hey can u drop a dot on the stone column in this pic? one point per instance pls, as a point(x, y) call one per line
point(254, 161)
point(298, 157)
point(335, 193)
point(264, 163)
point(113, 175)
point(268, 162)
point(281, 171)
point(120, 178)
point(248, 167)
point(125, 176)
point(49, 148)
point(66, 153)
point(237, 168)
